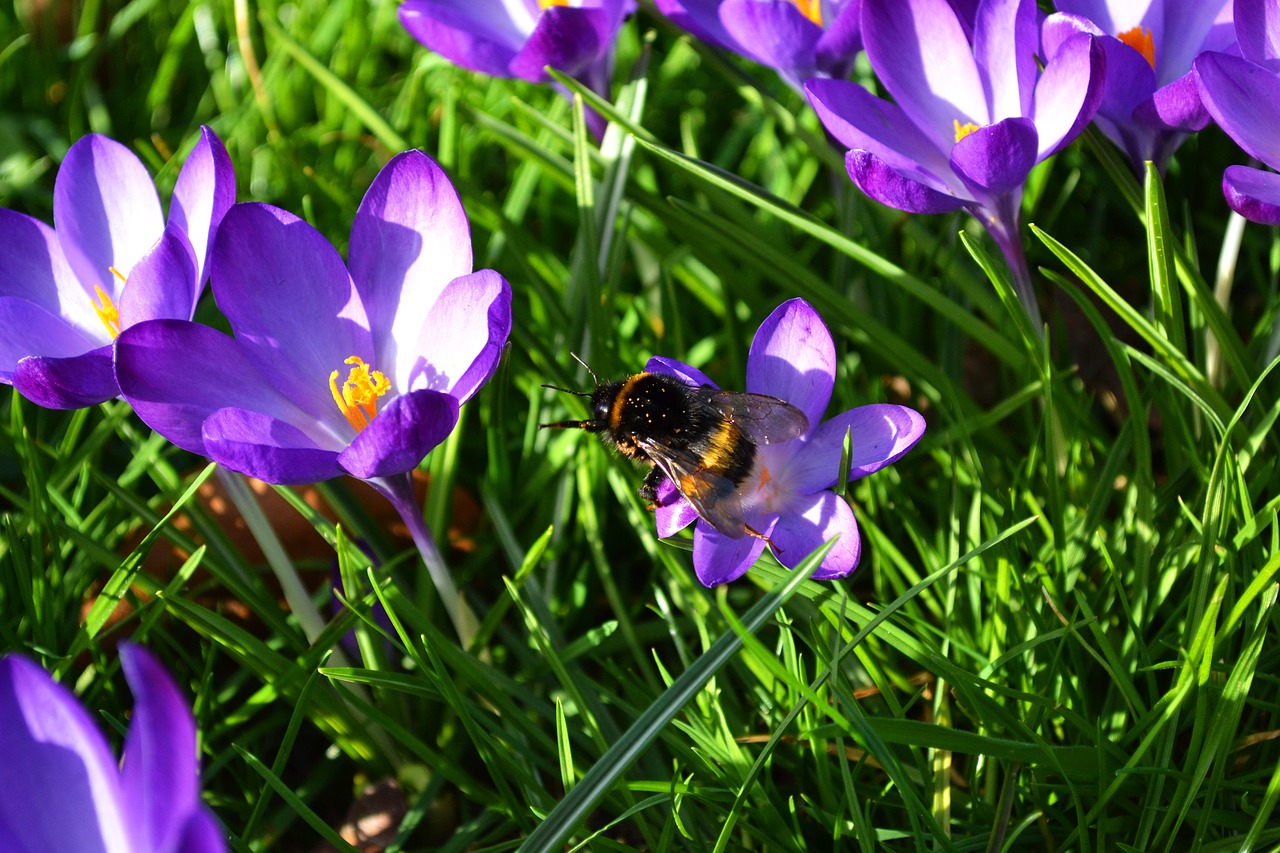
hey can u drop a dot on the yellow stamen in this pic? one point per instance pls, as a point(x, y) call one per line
point(357, 398)
point(1139, 38)
point(547, 4)
point(811, 9)
point(963, 130)
point(106, 309)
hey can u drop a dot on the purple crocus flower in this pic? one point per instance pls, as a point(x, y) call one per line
point(1240, 93)
point(333, 369)
point(801, 39)
point(521, 38)
point(60, 787)
point(1149, 103)
point(790, 500)
point(969, 119)
point(63, 293)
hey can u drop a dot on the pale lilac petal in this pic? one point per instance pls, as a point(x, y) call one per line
point(164, 284)
point(841, 41)
point(922, 56)
point(202, 834)
point(1112, 16)
point(568, 39)
point(719, 559)
point(295, 311)
point(29, 329)
point(792, 357)
point(160, 776)
point(859, 120)
point(1061, 26)
point(1253, 193)
point(410, 238)
point(54, 754)
point(678, 369)
point(33, 267)
point(809, 522)
point(1005, 41)
point(880, 433)
point(1257, 27)
point(1176, 106)
point(1068, 93)
point(105, 209)
point(700, 18)
point(773, 32)
point(480, 36)
point(996, 159)
point(176, 374)
point(1186, 28)
point(462, 339)
point(672, 512)
point(205, 191)
point(1242, 96)
point(890, 187)
point(404, 431)
point(267, 448)
point(73, 382)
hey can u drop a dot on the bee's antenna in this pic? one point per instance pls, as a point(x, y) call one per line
point(587, 425)
point(568, 391)
point(594, 378)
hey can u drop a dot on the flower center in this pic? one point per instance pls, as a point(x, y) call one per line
point(357, 398)
point(106, 310)
point(1140, 39)
point(811, 9)
point(963, 130)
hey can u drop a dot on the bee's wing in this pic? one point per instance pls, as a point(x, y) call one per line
point(763, 419)
point(714, 498)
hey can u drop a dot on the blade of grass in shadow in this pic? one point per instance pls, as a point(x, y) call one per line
point(564, 818)
point(301, 809)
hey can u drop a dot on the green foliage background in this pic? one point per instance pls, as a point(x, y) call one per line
point(1062, 635)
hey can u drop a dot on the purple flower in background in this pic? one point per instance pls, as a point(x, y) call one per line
point(61, 788)
point(1241, 94)
point(334, 369)
point(969, 119)
point(63, 293)
point(520, 38)
point(801, 39)
point(789, 499)
point(1149, 102)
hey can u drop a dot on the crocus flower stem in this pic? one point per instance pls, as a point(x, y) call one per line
point(398, 489)
point(1004, 222)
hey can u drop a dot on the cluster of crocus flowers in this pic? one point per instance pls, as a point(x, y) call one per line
point(971, 115)
point(112, 262)
point(791, 503)
point(1149, 103)
point(1241, 92)
point(61, 788)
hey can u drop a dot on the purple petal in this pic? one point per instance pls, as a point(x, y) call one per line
point(105, 209)
point(268, 448)
point(73, 382)
point(462, 339)
point(28, 329)
point(1241, 97)
point(699, 17)
point(1258, 30)
point(881, 433)
point(678, 369)
point(160, 777)
point(294, 309)
point(812, 520)
point(792, 357)
point(672, 512)
point(1187, 28)
point(1005, 42)
point(404, 431)
point(773, 32)
point(890, 187)
point(841, 41)
point(480, 36)
point(997, 158)
point(33, 268)
point(1253, 193)
point(164, 284)
point(202, 834)
point(205, 191)
point(1069, 92)
point(1175, 107)
point(719, 559)
point(919, 51)
point(59, 789)
point(568, 39)
point(176, 374)
point(410, 238)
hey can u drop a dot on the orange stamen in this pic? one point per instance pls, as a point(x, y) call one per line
point(811, 9)
point(963, 130)
point(1140, 39)
point(357, 397)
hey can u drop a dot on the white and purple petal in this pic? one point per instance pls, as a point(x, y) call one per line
point(808, 522)
point(569, 39)
point(164, 284)
point(792, 357)
point(1257, 28)
point(204, 192)
point(403, 432)
point(720, 559)
point(459, 345)
point(774, 33)
point(1253, 193)
point(29, 328)
point(684, 372)
point(891, 187)
point(841, 41)
point(1241, 96)
point(1005, 42)
point(996, 159)
point(880, 433)
point(481, 36)
point(33, 267)
point(1068, 92)
point(265, 447)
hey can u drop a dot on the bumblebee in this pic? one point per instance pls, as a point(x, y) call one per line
point(701, 438)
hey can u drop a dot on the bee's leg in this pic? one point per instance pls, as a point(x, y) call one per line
point(649, 488)
point(757, 534)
